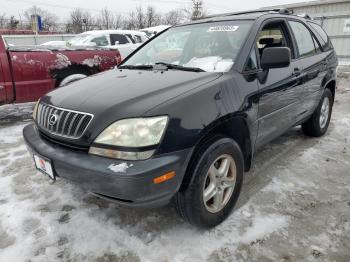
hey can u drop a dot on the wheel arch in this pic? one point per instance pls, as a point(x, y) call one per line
point(234, 127)
point(60, 74)
point(331, 85)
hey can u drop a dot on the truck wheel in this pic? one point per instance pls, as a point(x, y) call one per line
point(318, 124)
point(71, 78)
point(217, 175)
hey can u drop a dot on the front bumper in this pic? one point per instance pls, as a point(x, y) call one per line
point(135, 187)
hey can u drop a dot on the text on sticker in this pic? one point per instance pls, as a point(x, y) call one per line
point(223, 28)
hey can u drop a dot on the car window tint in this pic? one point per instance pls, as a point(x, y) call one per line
point(252, 63)
point(318, 48)
point(137, 39)
point(131, 38)
point(321, 35)
point(122, 39)
point(100, 41)
point(303, 37)
point(273, 35)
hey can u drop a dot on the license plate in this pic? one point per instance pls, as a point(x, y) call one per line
point(44, 166)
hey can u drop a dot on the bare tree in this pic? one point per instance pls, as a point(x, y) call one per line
point(3, 21)
point(106, 19)
point(173, 17)
point(197, 10)
point(49, 19)
point(13, 23)
point(152, 18)
point(140, 17)
point(75, 23)
point(130, 22)
point(118, 21)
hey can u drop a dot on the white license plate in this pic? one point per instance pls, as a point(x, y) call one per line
point(44, 166)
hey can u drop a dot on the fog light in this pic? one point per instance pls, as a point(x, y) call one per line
point(164, 177)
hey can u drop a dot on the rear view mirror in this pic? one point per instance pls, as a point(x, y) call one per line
point(275, 57)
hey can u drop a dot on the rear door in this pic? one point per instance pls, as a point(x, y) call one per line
point(313, 62)
point(280, 89)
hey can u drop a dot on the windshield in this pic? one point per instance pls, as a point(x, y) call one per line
point(212, 47)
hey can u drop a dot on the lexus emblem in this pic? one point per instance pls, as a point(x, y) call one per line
point(53, 119)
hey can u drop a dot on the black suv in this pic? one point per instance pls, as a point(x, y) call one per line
point(179, 120)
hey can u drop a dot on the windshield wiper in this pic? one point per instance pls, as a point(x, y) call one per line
point(136, 67)
point(178, 67)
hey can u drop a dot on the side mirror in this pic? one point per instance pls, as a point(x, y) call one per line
point(275, 57)
point(116, 43)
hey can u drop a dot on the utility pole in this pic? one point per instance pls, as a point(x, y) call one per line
point(197, 9)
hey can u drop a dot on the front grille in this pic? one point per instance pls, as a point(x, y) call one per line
point(62, 122)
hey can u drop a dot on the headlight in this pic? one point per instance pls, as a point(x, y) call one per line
point(35, 110)
point(134, 133)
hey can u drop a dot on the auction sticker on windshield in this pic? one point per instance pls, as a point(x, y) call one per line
point(223, 28)
point(44, 166)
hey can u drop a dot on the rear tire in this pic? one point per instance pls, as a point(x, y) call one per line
point(318, 124)
point(216, 180)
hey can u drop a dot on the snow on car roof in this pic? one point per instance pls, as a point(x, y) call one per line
point(118, 31)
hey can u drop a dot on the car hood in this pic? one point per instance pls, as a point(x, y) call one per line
point(118, 94)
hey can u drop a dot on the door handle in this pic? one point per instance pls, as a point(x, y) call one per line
point(296, 72)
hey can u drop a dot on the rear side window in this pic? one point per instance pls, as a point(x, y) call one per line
point(121, 39)
point(303, 37)
point(100, 41)
point(321, 35)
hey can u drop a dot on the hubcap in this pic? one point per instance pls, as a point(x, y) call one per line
point(219, 183)
point(324, 115)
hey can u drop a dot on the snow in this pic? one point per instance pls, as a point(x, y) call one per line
point(211, 63)
point(91, 62)
point(119, 168)
point(61, 61)
point(294, 206)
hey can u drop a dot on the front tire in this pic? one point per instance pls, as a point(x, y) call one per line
point(318, 124)
point(217, 176)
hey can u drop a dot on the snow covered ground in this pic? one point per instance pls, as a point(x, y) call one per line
point(295, 206)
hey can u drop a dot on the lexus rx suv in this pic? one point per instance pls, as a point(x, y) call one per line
point(179, 120)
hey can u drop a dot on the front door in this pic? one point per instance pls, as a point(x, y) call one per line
point(280, 89)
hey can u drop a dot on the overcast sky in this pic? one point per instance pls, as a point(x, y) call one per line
point(62, 7)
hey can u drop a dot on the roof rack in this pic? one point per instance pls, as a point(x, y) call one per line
point(284, 11)
point(306, 16)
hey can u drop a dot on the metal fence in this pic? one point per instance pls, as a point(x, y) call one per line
point(338, 29)
point(334, 17)
point(34, 39)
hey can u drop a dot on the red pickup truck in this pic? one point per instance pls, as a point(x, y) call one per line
point(27, 73)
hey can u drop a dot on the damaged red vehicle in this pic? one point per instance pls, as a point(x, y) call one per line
point(27, 73)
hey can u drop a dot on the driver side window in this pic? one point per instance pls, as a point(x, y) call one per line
point(273, 35)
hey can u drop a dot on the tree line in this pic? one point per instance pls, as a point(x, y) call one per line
point(80, 20)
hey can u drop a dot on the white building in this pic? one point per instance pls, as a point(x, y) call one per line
point(333, 16)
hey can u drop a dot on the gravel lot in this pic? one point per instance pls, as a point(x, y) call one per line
point(295, 206)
